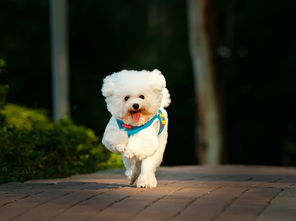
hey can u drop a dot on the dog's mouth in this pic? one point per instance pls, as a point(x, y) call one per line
point(136, 115)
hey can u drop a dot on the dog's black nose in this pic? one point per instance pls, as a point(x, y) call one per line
point(136, 106)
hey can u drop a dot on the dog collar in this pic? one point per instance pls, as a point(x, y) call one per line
point(132, 130)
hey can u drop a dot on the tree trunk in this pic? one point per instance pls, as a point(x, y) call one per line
point(59, 57)
point(201, 43)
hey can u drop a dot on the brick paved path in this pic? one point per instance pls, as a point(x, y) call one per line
point(184, 193)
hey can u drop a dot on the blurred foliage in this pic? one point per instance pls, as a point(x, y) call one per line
point(32, 147)
point(256, 63)
point(25, 119)
point(3, 88)
point(3, 92)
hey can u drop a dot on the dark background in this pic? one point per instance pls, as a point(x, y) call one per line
point(256, 62)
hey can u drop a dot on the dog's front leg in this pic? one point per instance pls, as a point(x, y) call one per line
point(147, 177)
point(114, 139)
point(142, 146)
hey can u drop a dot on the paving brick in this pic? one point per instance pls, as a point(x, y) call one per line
point(184, 193)
point(283, 207)
point(134, 204)
point(9, 198)
point(210, 205)
point(24, 204)
point(249, 204)
point(55, 205)
point(93, 206)
point(172, 204)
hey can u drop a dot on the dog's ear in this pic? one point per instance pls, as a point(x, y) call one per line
point(108, 86)
point(157, 80)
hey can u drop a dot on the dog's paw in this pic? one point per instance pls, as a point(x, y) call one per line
point(133, 179)
point(128, 154)
point(120, 147)
point(143, 153)
point(132, 175)
point(141, 156)
point(146, 182)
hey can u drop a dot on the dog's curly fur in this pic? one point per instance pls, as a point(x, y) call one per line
point(134, 97)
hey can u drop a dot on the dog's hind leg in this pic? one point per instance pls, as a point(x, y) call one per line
point(133, 169)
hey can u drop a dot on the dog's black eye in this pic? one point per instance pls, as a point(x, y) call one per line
point(126, 98)
point(142, 97)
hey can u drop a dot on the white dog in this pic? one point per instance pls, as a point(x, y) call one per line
point(138, 126)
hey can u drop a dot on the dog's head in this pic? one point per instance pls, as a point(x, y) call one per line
point(134, 96)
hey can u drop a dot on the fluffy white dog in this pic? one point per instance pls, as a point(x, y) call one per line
point(138, 126)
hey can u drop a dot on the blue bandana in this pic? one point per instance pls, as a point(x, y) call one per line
point(131, 130)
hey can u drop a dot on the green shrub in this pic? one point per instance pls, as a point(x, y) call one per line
point(33, 147)
point(3, 88)
point(25, 118)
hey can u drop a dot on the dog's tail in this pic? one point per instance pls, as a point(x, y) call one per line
point(166, 98)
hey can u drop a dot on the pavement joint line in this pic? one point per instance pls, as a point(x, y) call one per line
point(225, 177)
point(277, 180)
point(40, 204)
point(100, 193)
point(227, 205)
point(80, 201)
point(15, 200)
point(255, 185)
point(191, 202)
point(268, 203)
point(167, 184)
point(71, 206)
point(7, 203)
point(152, 202)
point(109, 205)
